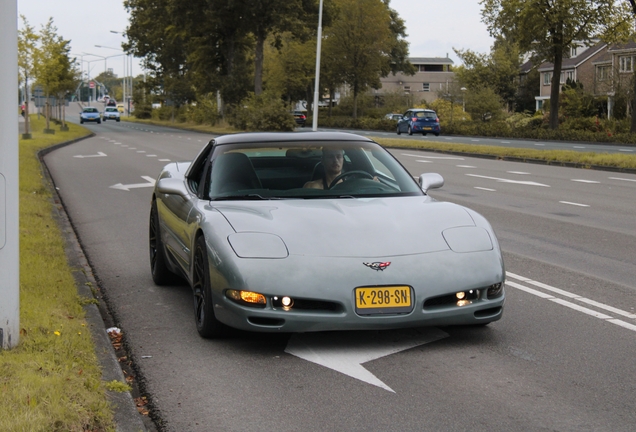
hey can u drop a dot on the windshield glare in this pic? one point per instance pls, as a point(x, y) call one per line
point(307, 170)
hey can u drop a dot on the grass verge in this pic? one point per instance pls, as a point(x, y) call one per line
point(52, 380)
point(556, 157)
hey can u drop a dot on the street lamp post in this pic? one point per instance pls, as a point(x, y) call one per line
point(317, 85)
point(126, 80)
point(463, 89)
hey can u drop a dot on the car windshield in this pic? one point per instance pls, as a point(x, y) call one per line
point(111, 109)
point(90, 110)
point(288, 171)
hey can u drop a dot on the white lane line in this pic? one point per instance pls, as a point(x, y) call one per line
point(574, 204)
point(539, 144)
point(164, 160)
point(529, 290)
point(579, 147)
point(485, 189)
point(475, 140)
point(518, 172)
point(465, 166)
point(424, 161)
point(564, 293)
point(622, 179)
point(505, 142)
point(151, 155)
point(621, 323)
point(626, 150)
point(141, 151)
point(501, 180)
point(585, 181)
point(581, 309)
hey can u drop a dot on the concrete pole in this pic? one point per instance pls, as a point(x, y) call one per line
point(9, 190)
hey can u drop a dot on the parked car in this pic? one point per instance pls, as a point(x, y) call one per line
point(393, 116)
point(111, 102)
point(110, 113)
point(417, 120)
point(371, 250)
point(90, 114)
point(300, 118)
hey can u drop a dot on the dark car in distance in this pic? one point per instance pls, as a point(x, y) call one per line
point(300, 118)
point(419, 120)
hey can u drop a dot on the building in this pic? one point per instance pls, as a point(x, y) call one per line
point(614, 73)
point(433, 74)
point(580, 66)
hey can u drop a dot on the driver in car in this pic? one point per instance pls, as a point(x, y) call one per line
point(332, 161)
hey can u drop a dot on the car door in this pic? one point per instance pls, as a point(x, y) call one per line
point(404, 122)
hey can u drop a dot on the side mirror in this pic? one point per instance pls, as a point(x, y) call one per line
point(171, 186)
point(430, 181)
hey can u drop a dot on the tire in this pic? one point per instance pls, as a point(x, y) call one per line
point(117, 120)
point(161, 275)
point(207, 324)
point(398, 131)
point(410, 131)
point(423, 133)
point(99, 122)
point(437, 134)
point(104, 119)
point(81, 121)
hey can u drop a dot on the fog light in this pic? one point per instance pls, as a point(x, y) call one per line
point(287, 301)
point(463, 302)
point(460, 295)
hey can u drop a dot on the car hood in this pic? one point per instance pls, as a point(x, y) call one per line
point(353, 227)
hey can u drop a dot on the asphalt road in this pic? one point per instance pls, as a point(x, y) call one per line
point(562, 358)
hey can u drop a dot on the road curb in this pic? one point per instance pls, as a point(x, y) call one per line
point(126, 416)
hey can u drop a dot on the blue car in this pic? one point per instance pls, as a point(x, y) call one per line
point(417, 120)
point(90, 114)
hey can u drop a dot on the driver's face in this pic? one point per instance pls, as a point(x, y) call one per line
point(332, 160)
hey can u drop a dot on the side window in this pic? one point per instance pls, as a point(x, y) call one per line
point(199, 170)
point(378, 166)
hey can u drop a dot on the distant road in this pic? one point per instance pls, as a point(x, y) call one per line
point(501, 142)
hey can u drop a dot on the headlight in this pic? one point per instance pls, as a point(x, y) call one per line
point(247, 298)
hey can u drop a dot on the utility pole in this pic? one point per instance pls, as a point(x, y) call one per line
point(9, 189)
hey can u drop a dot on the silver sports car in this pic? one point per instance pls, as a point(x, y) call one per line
point(317, 231)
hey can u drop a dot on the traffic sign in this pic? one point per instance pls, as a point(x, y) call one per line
point(91, 84)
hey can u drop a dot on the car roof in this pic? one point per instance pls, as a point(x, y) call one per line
point(298, 137)
point(422, 110)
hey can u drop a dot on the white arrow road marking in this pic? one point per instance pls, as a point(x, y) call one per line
point(501, 180)
point(150, 180)
point(346, 352)
point(99, 154)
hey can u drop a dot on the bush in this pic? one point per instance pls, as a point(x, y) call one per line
point(266, 112)
point(204, 111)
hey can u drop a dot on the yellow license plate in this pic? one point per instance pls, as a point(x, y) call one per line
point(387, 299)
point(427, 128)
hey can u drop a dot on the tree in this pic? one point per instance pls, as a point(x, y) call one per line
point(483, 103)
point(550, 28)
point(632, 4)
point(362, 40)
point(27, 45)
point(53, 67)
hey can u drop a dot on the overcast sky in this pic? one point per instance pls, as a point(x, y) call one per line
point(434, 27)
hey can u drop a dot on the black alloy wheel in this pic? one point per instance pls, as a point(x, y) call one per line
point(207, 324)
point(161, 275)
point(410, 131)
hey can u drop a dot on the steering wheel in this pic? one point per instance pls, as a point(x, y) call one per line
point(350, 173)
